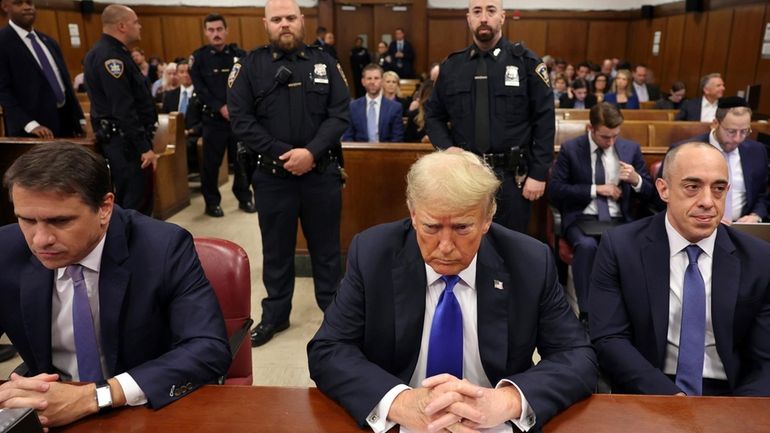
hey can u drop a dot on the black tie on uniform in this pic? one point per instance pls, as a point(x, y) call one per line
point(482, 104)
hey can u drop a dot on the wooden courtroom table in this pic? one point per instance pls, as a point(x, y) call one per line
point(235, 409)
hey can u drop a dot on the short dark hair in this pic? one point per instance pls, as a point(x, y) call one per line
point(583, 65)
point(605, 114)
point(212, 18)
point(579, 83)
point(320, 31)
point(677, 86)
point(62, 167)
point(372, 67)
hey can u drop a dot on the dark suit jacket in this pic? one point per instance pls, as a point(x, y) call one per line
point(690, 110)
point(631, 104)
point(370, 337)
point(160, 319)
point(391, 124)
point(406, 70)
point(653, 91)
point(25, 94)
point(629, 308)
point(566, 102)
point(754, 165)
point(571, 179)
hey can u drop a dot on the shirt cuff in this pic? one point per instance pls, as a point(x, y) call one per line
point(638, 186)
point(378, 417)
point(593, 191)
point(29, 127)
point(528, 418)
point(134, 395)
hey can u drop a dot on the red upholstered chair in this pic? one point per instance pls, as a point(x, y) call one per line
point(227, 267)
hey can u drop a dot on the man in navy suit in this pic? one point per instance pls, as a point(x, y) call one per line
point(402, 53)
point(680, 304)
point(93, 293)
point(35, 88)
point(448, 307)
point(372, 117)
point(703, 109)
point(583, 198)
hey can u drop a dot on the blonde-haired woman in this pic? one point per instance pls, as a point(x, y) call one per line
point(622, 94)
point(390, 89)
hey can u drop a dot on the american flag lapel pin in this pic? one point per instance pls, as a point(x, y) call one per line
point(498, 285)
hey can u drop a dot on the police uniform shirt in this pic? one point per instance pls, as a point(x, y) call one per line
point(309, 110)
point(209, 71)
point(521, 104)
point(119, 92)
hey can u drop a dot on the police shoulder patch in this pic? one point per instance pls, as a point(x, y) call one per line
point(233, 75)
point(344, 78)
point(114, 67)
point(542, 71)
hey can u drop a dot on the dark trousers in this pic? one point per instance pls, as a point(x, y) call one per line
point(133, 185)
point(217, 137)
point(316, 200)
point(513, 209)
point(584, 249)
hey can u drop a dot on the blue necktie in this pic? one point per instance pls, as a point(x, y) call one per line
point(183, 102)
point(86, 351)
point(371, 121)
point(602, 206)
point(445, 349)
point(692, 337)
point(45, 65)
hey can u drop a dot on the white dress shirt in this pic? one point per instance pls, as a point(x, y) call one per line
point(62, 328)
point(737, 194)
point(611, 167)
point(641, 92)
point(29, 127)
point(708, 111)
point(377, 105)
point(712, 364)
point(473, 370)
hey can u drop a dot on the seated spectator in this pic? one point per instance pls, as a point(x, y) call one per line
point(559, 88)
point(643, 90)
point(600, 86)
point(569, 74)
point(703, 109)
point(597, 177)
point(166, 83)
point(674, 99)
point(622, 94)
point(328, 45)
point(184, 100)
point(583, 71)
point(374, 118)
point(577, 96)
point(415, 123)
point(390, 89)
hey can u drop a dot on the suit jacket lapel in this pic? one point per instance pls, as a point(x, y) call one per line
point(36, 291)
point(584, 156)
point(113, 283)
point(656, 265)
point(409, 285)
point(725, 276)
point(493, 285)
point(748, 175)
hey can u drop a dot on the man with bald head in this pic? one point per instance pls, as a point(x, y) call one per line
point(680, 304)
point(123, 113)
point(437, 318)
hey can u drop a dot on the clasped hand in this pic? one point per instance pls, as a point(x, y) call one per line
point(448, 404)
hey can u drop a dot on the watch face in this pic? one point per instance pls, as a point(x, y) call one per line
point(103, 396)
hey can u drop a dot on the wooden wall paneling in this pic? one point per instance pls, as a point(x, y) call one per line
point(639, 41)
point(692, 52)
point(716, 42)
point(745, 48)
point(153, 37)
point(762, 75)
point(92, 30)
point(311, 24)
point(418, 34)
point(447, 35)
point(356, 22)
point(606, 39)
point(655, 62)
point(567, 39)
point(72, 55)
point(233, 30)
point(533, 32)
point(47, 23)
point(252, 32)
point(671, 53)
point(184, 35)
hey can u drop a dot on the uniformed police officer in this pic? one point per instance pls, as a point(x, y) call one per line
point(497, 97)
point(123, 113)
point(211, 66)
point(289, 105)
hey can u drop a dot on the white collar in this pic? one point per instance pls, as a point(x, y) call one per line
point(676, 242)
point(93, 261)
point(21, 32)
point(467, 275)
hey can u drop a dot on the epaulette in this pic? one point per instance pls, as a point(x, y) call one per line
point(464, 50)
point(518, 49)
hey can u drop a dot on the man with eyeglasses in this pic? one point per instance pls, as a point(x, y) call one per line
point(747, 198)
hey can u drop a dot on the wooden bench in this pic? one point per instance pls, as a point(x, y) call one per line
point(576, 114)
point(172, 192)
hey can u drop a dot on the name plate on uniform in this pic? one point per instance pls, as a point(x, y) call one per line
point(19, 421)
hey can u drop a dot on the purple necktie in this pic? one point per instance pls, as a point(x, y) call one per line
point(602, 206)
point(50, 75)
point(445, 349)
point(89, 365)
point(692, 336)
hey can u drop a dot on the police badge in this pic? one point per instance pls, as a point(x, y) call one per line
point(512, 76)
point(114, 67)
point(319, 74)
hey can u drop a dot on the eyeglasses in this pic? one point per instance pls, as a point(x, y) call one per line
point(736, 132)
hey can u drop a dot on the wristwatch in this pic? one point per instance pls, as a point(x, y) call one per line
point(103, 396)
